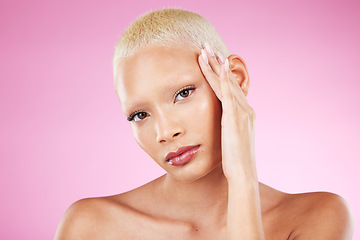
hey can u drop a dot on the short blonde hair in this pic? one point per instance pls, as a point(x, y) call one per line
point(167, 27)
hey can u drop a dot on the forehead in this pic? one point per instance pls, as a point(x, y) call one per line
point(155, 67)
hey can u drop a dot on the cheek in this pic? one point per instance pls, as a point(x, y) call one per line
point(209, 121)
point(205, 121)
point(209, 112)
point(144, 138)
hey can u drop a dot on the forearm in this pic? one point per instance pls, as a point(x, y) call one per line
point(244, 212)
point(237, 144)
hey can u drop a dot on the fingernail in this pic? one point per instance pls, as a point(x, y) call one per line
point(220, 57)
point(226, 65)
point(208, 49)
point(204, 56)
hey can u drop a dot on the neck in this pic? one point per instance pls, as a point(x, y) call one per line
point(199, 201)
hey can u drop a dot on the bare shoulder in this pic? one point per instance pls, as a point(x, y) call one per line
point(320, 215)
point(110, 217)
point(314, 215)
point(87, 218)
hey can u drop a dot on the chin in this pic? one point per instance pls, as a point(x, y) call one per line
point(191, 172)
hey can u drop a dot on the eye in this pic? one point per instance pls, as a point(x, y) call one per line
point(137, 116)
point(184, 93)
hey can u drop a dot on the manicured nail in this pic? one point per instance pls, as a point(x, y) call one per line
point(208, 49)
point(226, 65)
point(203, 54)
point(220, 57)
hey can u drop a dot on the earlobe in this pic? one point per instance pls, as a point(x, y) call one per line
point(238, 68)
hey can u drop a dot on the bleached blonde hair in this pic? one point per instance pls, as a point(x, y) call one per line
point(167, 27)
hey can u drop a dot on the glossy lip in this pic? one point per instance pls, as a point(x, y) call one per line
point(179, 151)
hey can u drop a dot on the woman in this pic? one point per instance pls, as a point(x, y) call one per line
point(188, 110)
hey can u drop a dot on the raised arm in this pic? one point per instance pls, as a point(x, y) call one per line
point(237, 142)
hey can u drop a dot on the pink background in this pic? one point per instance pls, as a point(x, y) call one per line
point(64, 137)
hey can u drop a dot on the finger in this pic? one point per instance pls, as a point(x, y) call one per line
point(220, 58)
point(213, 59)
point(227, 96)
point(234, 100)
point(209, 74)
point(240, 98)
point(238, 92)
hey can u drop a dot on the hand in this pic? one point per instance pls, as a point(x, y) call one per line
point(238, 118)
point(237, 145)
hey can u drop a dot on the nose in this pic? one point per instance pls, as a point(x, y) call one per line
point(168, 130)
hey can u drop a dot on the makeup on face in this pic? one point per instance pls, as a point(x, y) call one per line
point(174, 113)
point(179, 95)
point(182, 156)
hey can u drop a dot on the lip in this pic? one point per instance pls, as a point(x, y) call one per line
point(182, 155)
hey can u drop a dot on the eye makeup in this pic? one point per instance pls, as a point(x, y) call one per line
point(137, 113)
point(140, 114)
point(187, 88)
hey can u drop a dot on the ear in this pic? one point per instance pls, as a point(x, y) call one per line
point(238, 68)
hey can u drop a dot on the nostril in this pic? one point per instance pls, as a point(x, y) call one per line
point(176, 134)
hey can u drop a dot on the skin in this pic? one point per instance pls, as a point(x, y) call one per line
point(216, 195)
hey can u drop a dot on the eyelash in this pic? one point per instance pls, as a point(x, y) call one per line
point(188, 88)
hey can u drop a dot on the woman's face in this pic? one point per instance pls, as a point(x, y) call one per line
point(171, 105)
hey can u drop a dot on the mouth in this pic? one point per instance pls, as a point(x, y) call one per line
point(182, 156)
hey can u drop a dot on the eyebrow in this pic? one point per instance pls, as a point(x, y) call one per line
point(133, 106)
point(182, 81)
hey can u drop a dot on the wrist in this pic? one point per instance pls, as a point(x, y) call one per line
point(242, 177)
point(243, 183)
